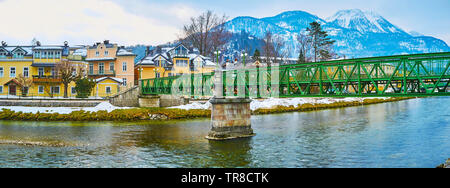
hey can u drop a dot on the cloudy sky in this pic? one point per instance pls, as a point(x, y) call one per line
point(129, 22)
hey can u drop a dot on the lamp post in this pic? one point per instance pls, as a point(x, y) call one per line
point(243, 55)
point(217, 53)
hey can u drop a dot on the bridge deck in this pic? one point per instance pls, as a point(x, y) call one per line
point(390, 76)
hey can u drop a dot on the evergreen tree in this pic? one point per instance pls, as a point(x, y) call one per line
point(84, 87)
point(256, 55)
point(301, 57)
point(320, 41)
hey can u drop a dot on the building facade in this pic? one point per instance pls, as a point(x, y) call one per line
point(173, 61)
point(31, 71)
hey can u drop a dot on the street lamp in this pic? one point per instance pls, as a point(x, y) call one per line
point(217, 53)
point(243, 55)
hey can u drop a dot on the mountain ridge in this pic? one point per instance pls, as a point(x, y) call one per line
point(357, 33)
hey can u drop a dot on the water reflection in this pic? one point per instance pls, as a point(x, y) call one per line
point(413, 133)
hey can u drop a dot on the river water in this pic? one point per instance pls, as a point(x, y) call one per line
point(412, 133)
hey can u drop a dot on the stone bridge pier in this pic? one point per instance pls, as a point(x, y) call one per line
point(230, 117)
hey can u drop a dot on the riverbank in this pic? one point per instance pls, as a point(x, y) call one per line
point(107, 112)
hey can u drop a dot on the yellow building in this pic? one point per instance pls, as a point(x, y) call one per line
point(109, 60)
point(166, 62)
point(107, 86)
point(35, 64)
point(31, 71)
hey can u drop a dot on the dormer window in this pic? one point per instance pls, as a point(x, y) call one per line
point(3, 53)
point(18, 53)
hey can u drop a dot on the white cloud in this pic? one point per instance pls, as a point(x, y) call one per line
point(79, 22)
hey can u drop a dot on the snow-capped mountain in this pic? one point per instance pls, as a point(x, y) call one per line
point(357, 33)
point(364, 22)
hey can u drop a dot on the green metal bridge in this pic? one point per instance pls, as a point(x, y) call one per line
point(388, 76)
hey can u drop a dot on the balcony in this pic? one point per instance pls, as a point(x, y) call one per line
point(101, 73)
point(46, 79)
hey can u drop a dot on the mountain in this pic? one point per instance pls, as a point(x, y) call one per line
point(357, 33)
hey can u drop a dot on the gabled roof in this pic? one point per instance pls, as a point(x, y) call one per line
point(27, 50)
point(13, 81)
point(180, 44)
point(118, 80)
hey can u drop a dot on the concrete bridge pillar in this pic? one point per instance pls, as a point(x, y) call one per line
point(230, 117)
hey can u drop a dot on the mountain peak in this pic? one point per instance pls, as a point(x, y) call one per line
point(363, 21)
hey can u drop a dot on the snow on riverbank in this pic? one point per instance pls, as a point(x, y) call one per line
point(274, 102)
point(104, 106)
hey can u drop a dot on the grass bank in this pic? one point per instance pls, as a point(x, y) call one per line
point(149, 114)
point(313, 107)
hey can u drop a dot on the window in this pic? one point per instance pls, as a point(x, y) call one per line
point(58, 55)
point(12, 72)
point(26, 72)
point(55, 89)
point(53, 72)
point(37, 55)
point(124, 81)
point(124, 66)
point(41, 89)
point(111, 66)
point(44, 55)
point(18, 55)
point(41, 71)
point(1, 72)
point(106, 53)
point(1, 89)
point(101, 68)
point(158, 75)
point(91, 68)
point(73, 91)
point(181, 63)
point(170, 74)
point(108, 89)
point(50, 55)
point(3, 54)
point(97, 53)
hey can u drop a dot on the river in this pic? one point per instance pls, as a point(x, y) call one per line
point(411, 133)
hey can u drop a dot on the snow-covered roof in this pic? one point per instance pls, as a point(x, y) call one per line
point(80, 52)
point(209, 63)
point(101, 59)
point(48, 48)
point(123, 52)
point(119, 80)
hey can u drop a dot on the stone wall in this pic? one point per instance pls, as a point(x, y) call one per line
point(230, 118)
point(51, 102)
point(172, 100)
point(127, 98)
point(149, 101)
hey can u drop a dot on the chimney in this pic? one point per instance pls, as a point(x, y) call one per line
point(4, 44)
point(147, 51)
point(158, 49)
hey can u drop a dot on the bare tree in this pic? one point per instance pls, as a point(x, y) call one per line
point(25, 83)
point(273, 49)
point(206, 32)
point(68, 71)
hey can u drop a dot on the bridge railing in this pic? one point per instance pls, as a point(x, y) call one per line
point(404, 75)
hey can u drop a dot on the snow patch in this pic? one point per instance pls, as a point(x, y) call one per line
point(104, 106)
point(274, 102)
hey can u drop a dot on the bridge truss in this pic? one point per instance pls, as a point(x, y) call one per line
point(388, 76)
